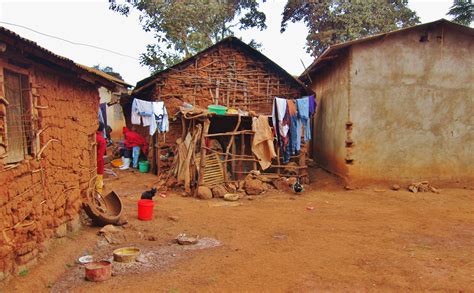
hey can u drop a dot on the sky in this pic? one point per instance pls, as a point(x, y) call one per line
point(91, 22)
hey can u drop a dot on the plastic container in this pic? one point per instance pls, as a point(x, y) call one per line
point(143, 166)
point(98, 271)
point(145, 209)
point(218, 109)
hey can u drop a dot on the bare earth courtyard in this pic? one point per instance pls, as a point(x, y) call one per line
point(328, 238)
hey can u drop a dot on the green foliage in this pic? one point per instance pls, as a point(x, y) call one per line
point(462, 12)
point(109, 70)
point(24, 273)
point(335, 21)
point(183, 28)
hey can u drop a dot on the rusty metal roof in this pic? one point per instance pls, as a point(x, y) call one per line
point(105, 75)
point(60, 60)
point(329, 53)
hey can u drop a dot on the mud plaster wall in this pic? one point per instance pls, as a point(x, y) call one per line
point(331, 86)
point(40, 200)
point(412, 107)
point(227, 74)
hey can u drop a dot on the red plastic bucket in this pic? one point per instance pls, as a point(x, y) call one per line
point(145, 209)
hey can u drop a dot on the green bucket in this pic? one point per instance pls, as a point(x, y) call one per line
point(143, 166)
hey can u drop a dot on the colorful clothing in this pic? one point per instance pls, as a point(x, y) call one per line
point(134, 139)
point(101, 150)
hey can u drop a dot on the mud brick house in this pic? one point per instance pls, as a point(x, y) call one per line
point(397, 106)
point(110, 101)
point(48, 120)
point(229, 73)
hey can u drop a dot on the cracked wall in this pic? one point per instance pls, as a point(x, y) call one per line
point(40, 199)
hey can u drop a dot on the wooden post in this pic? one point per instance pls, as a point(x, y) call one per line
point(202, 163)
point(242, 152)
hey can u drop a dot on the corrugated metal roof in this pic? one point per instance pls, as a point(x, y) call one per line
point(236, 41)
point(105, 75)
point(59, 60)
point(329, 52)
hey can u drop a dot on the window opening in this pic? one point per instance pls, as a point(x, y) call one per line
point(19, 125)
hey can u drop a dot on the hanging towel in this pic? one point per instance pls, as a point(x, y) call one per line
point(161, 116)
point(303, 114)
point(142, 111)
point(278, 114)
point(262, 144)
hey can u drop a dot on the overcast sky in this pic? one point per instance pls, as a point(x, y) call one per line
point(91, 22)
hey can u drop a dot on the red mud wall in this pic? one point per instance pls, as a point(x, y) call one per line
point(41, 199)
point(227, 74)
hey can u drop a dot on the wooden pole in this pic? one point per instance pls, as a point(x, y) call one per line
point(202, 163)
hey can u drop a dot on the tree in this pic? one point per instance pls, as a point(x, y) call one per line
point(462, 12)
point(182, 28)
point(109, 70)
point(335, 21)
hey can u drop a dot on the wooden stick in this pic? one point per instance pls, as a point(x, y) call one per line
point(202, 163)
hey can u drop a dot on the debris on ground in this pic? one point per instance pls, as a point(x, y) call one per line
point(310, 208)
point(152, 259)
point(395, 187)
point(231, 197)
point(173, 218)
point(113, 234)
point(422, 186)
point(184, 239)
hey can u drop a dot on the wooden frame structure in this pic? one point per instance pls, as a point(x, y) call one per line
point(236, 158)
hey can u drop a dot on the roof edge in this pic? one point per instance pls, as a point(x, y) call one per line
point(338, 46)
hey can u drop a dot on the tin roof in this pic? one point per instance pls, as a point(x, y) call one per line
point(330, 53)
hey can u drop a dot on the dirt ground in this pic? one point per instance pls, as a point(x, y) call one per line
point(372, 239)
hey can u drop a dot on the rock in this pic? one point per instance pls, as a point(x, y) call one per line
point(269, 186)
point(171, 182)
point(231, 197)
point(291, 181)
point(122, 221)
point(173, 218)
point(151, 238)
point(349, 187)
point(109, 229)
point(254, 174)
point(281, 184)
point(395, 187)
point(183, 239)
point(219, 191)
point(204, 192)
point(232, 187)
point(250, 197)
point(241, 186)
point(254, 187)
point(141, 259)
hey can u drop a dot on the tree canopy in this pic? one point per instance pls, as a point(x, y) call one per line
point(335, 21)
point(109, 70)
point(462, 12)
point(182, 28)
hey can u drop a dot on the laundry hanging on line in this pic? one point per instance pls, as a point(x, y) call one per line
point(152, 114)
point(289, 118)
